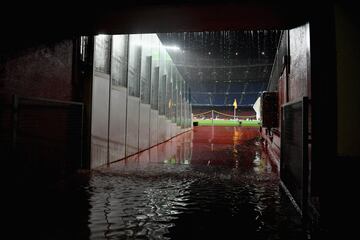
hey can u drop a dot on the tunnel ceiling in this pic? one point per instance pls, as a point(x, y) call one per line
point(34, 23)
point(223, 62)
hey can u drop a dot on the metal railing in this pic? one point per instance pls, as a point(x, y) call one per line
point(213, 114)
point(47, 136)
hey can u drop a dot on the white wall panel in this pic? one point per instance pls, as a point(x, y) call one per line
point(144, 83)
point(173, 129)
point(144, 133)
point(99, 116)
point(168, 129)
point(153, 154)
point(132, 128)
point(117, 133)
point(161, 129)
point(154, 127)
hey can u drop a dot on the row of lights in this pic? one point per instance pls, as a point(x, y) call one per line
point(176, 48)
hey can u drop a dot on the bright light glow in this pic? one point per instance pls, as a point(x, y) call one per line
point(174, 48)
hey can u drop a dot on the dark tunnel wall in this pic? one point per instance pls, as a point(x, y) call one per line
point(44, 71)
point(348, 118)
point(334, 81)
point(348, 82)
point(41, 72)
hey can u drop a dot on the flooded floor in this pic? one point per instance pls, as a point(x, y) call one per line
point(211, 183)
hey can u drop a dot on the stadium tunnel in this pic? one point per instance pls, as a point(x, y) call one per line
point(56, 91)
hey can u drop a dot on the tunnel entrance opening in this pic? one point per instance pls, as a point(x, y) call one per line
point(160, 79)
point(96, 83)
point(145, 87)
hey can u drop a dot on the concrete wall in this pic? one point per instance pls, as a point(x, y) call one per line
point(293, 77)
point(348, 84)
point(132, 127)
point(41, 71)
point(50, 71)
point(299, 39)
point(125, 119)
point(293, 83)
point(100, 120)
point(144, 127)
point(117, 128)
point(154, 127)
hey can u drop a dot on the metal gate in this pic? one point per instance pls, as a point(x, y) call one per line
point(294, 163)
point(47, 137)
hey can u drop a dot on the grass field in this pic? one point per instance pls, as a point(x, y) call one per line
point(228, 123)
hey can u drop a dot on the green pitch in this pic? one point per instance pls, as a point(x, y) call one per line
point(229, 123)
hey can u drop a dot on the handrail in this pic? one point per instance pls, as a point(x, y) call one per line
point(224, 114)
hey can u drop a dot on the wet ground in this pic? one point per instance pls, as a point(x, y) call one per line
point(211, 183)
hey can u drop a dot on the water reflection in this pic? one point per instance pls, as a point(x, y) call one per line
point(175, 151)
point(135, 208)
point(210, 183)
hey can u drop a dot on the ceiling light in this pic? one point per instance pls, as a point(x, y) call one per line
point(174, 48)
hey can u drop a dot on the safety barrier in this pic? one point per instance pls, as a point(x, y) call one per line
point(213, 112)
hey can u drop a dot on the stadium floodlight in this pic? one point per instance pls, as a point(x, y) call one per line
point(174, 48)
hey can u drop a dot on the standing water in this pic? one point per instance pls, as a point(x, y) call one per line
point(213, 182)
